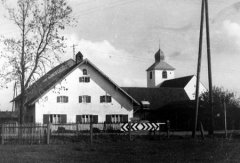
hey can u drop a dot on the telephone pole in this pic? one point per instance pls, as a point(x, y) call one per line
point(198, 70)
point(204, 9)
point(211, 132)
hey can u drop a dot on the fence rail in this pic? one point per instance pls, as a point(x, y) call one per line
point(41, 133)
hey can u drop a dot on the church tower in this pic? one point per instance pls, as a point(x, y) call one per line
point(159, 71)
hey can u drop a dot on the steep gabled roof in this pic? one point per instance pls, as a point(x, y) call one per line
point(47, 81)
point(158, 97)
point(177, 82)
point(37, 89)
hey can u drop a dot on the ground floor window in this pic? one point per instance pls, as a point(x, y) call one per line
point(116, 118)
point(54, 118)
point(86, 118)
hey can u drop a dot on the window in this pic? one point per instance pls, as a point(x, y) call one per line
point(84, 79)
point(105, 99)
point(84, 71)
point(54, 118)
point(117, 118)
point(62, 99)
point(84, 99)
point(164, 74)
point(150, 75)
point(86, 118)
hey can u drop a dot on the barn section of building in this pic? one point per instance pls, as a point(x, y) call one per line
point(76, 91)
point(156, 98)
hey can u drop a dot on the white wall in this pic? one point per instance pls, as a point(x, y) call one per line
point(97, 87)
point(157, 77)
point(190, 88)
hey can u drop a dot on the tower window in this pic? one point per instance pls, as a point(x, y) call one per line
point(164, 74)
point(151, 75)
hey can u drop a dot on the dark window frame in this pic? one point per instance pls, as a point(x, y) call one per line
point(105, 99)
point(84, 79)
point(164, 74)
point(86, 118)
point(84, 99)
point(55, 118)
point(116, 118)
point(85, 72)
point(62, 99)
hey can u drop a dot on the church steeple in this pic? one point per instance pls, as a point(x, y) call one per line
point(159, 56)
point(159, 71)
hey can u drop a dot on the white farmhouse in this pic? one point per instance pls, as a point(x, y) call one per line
point(76, 91)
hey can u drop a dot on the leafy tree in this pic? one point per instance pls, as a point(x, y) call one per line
point(219, 96)
point(38, 42)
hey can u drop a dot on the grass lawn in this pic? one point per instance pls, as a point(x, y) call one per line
point(138, 150)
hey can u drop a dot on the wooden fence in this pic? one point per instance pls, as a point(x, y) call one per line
point(42, 133)
point(23, 134)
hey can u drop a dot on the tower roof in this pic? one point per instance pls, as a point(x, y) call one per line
point(160, 64)
point(159, 56)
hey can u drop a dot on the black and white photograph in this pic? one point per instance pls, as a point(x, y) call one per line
point(119, 81)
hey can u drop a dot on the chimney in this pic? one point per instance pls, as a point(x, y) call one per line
point(79, 57)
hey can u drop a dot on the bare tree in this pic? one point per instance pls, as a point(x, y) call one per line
point(38, 44)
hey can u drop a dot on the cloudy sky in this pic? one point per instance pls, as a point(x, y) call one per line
point(121, 37)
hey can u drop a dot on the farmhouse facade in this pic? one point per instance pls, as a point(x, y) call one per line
point(77, 91)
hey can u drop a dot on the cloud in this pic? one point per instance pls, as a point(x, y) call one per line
point(226, 39)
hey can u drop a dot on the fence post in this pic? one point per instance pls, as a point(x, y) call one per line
point(76, 128)
point(2, 140)
point(159, 130)
point(168, 127)
point(129, 130)
point(91, 132)
point(48, 133)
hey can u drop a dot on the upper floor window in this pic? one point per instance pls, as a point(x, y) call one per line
point(105, 99)
point(84, 79)
point(85, 72)
point(84, 99)
point(62, 99)
point(164, 74)
point(150, 75)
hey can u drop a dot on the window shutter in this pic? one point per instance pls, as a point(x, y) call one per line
point(63, 118)
point(109, 99)
point(58, 98)
point(45, 118)
point(124, 118)
point(81, 79)
point(89, 99)
point(108, 119)
point(87, 79)
point(101, 99)
point(95, 118)
point(66, 99)
point(80, 99)
point(78, 119)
